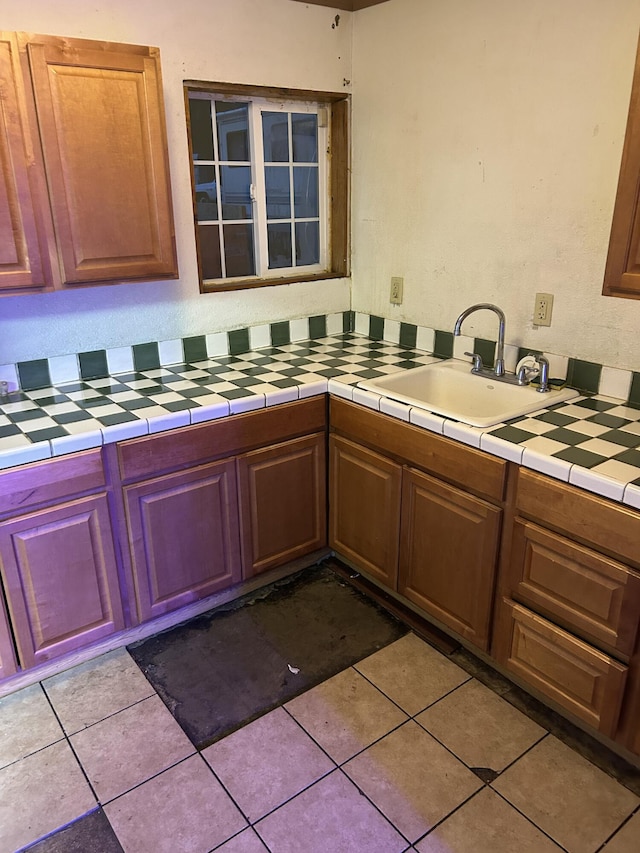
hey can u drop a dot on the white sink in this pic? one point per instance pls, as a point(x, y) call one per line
point(449, 388)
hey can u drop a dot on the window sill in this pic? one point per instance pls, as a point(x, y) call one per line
point(246, 283)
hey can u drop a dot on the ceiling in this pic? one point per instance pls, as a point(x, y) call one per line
point(348, 5)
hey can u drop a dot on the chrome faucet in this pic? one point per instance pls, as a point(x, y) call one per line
point(498, 369)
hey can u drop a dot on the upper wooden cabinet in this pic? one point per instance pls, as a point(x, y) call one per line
point(622, 272)
point(87, 136)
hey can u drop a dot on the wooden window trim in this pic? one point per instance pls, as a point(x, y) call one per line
point(339, 180)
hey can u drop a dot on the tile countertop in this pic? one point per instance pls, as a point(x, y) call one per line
point(591, 441)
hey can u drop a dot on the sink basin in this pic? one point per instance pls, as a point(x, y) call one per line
point(448, 388)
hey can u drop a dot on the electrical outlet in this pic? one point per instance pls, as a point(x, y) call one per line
point(542, 309)
point(397, 285)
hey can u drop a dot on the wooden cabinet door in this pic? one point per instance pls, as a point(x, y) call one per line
point(100, 115)
point(24, 262)
point(364, 509)
point(448, 553)
point(183, 536)
point(282, 503)
point(61, 578)
point(8, 665)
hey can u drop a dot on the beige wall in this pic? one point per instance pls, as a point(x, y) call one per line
point(487, 142)
point(270, 42)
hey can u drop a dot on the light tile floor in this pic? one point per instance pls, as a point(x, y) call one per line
point(402, 752)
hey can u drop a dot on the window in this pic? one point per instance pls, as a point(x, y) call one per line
point(270, 184)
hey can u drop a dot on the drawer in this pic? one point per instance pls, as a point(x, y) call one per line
point(584, 681)
point(606, 525)
point(593, 595)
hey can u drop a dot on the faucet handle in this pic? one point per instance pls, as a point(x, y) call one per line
point(477, 361)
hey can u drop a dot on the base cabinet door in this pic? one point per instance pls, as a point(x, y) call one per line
point(448, 553)
point(183, 536)
point(8, 664)
point(364, 501)
point(61, 579)
point(282, 503)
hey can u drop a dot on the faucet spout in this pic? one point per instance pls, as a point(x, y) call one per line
point(499, 362)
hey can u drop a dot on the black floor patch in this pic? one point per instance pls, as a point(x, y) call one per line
point(89, 834)
point(220, 670)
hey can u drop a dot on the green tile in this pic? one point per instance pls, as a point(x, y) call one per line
point(376, 328)
point(512, 434)
point(93, 365)
point(584, 375)
point(34, 374)
point(238, 341)
point(408, 335)
point(524, 351)
point(280, 334)
point(634, 393)
point(348, 321)
point(485, 349)
point(318, 327)
point(579, 456)
point(146, 356)
point(195, 348)
point(443, 346)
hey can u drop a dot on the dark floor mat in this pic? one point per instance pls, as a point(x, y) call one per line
point(220, 670)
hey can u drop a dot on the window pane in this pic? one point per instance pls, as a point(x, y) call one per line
point(233, 131)
point(235, 192)
point(209, 246)
point(238, 250)
point(275, 134)
point(279, 240)
point(201, 130)
point(307, 243)
point(304, 130)
point(278, 192)
point(206, 201)
point(305, 189)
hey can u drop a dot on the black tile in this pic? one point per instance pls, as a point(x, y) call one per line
point(579, 456)
point(329, 372)
point(525, 351)
point(634, 391)
point(236, 393)
point(629, 457)
point(94, 402)
point(9, 429)
point(287, 382)
point(512, 434)
point(612, 421)
point(618, 436)
point(443, 345)
point(486, 349)
point(238, 341)
point(348, 321)
point(51, 401)
point(194, 393)
point(195, 348)
point(248, 381)
point(71, 417)
point(567, 436)
point(591, 403)
point(225, 668)
point(376, 328)
point(34, 374)
point(118, 418)
point(292, 371)
point(47, 434)
point(584, 375)
point(318, 326)
point(26, 415)
point(557, 418)
point(146, 356)
point(367, 374)
point(280, 334)
point(137, 403)
point(408, 335)
point(91, 833)
point(180, 405)
point(93, 365)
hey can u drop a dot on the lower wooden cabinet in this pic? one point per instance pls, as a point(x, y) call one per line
point(60, 578)
point(364, 508)
point(448, 554)
point(8, 663)
point(282, 496)
point(184, 537)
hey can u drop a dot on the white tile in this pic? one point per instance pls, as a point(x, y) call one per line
point(120, 360)
point(23, 452)
point(602, 447)
point(210, 411)
point(217, 344)
point(281, 395)
point(462, 344)
point(64, 368)
point(558, 365)
point(426, 339)
point(615, 383)
point(367, 398)
point(392, 331)
point(362, 324)
point(72, 443)
point(170, 420)
point(260, 336)
point(587, 428)
point(299, 329)
point(395, 409)
point(9, 374)
point(171, 352)
point(246, 404)
point(533, 425)
point(596, 482)
point(502, 448)
point(541, 461)
point(427, 420)
point(119, 432)
point(463, 432)
point(334, 324)
point(312, 389)
point(510, 358)
point(632, 495)
point(27, 724)
point(339, 389)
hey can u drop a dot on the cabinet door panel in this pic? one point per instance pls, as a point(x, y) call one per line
point(282, 503)
point(448, 554)
point(593, 595)
point(578, 677)
point(364, 501)
point(61, 578)
point(109, 182)
point(184, 539)
point(8, 664)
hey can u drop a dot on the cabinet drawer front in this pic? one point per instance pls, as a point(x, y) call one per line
point(584, 681)
point(588, 518)
point(591, 594)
